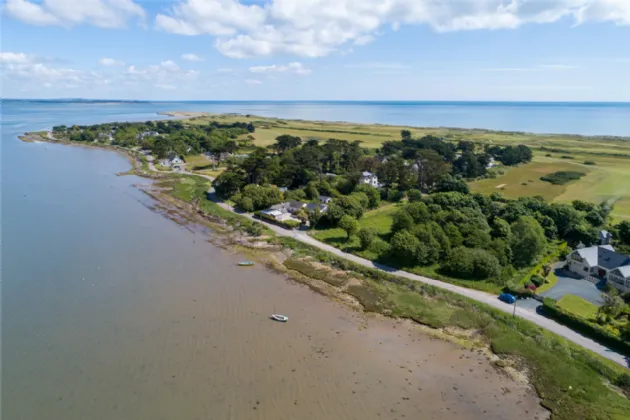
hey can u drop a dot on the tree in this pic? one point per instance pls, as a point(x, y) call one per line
point(404, 247)
point(594, 218)
point(454, 235)
point(528, 241)
point(405, 134)
point(314, 217)
point(623, 230)
point(349, 224)
point(401, 221)
point(414, 195)
point(251, 128)
point(367, 236)
point(501, 229)
point(546, 270)
point(448, 183)
point(286, 142)
point(374, 197)
point(429, 248)
point(611, 307)
point(229, 183)
point(475, 264)
point(246, 204)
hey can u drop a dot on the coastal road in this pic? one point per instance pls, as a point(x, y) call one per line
point(491, 300)
point(529, 314)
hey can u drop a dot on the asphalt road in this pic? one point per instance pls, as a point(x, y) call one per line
point(527, 312)
point(492, 300)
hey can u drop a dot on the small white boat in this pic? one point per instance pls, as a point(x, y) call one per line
point(279, 318)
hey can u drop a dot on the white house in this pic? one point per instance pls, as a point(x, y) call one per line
point(369, 178)
point(279, 215)
point(325, 199)
point(601, 262)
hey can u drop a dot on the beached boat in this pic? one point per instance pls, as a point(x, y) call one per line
point(279, 318)
point(246, 263)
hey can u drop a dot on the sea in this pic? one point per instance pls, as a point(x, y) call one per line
point(111, 311)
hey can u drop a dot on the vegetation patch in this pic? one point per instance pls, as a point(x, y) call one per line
point(578, 306)
point(562, 177)
point(571, 381)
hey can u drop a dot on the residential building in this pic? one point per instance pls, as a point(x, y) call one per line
point(369, 178)
point(325, 199)
point(280, 215)
point(601, 262)
point(605, 237)
point(323, 208)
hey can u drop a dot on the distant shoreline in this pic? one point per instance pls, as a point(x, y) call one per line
point(193, 114)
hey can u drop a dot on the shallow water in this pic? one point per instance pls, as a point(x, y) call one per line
point(110, 311)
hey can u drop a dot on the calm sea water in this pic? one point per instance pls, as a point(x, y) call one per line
point(110, 311)
point(536, 117)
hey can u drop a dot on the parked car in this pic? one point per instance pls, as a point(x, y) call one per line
point(507, 298)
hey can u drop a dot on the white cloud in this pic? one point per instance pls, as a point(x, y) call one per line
point(165, 86)
point(191, 57)
point(253, 82)
point(318, 27)
point(110, 62)
point(23, 68)
point(13, 58)
point(103, 13)
point(295, 67)
point(364, 40)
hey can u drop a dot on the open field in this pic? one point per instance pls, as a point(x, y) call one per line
point(609, 179)
point(578, 306)
point(373, 135)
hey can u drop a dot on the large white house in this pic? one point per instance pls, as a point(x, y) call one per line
point(369, 178)
point(601, 262)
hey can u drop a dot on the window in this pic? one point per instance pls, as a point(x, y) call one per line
point(586, 269)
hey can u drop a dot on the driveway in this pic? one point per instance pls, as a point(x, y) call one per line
point(569, 284)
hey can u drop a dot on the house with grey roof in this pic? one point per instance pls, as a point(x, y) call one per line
point(369, 178)
point(601, 262)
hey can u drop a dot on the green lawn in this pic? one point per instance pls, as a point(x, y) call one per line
point(578, 306)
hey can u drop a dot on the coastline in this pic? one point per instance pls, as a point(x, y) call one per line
point(190, 115)
point(362, 297)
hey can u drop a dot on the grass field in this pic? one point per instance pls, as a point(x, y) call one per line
point(578, 306)
point(608, 180)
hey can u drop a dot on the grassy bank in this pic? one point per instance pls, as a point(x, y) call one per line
point(572, 382)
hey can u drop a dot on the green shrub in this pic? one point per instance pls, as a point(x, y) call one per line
point(589, 162)
point(562, 177)
point(536, 280)
point(579, 324)
point(467, 263)
point(367, 236)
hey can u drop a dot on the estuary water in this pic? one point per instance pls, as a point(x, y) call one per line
point(113, 312)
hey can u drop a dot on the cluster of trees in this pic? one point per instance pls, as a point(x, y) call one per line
point(420, 163)
point(163, 138)
point(481, 237)
point(291, 163)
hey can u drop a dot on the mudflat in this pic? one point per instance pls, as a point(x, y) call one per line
point(192, 340)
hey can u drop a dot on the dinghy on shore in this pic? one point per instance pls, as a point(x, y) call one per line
point(246, 263)
point(279, 318)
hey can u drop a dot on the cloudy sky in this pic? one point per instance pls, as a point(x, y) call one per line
point(564, 50)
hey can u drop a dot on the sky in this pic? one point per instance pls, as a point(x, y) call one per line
point(465, 50)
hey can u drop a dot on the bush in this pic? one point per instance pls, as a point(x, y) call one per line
point(367, 236)
point(562, 177)
point(475, 264)
point(584, 327)
point(566, 157)
point(379, 246)
point(414, 195)
point(589, 162)
point(537, 280)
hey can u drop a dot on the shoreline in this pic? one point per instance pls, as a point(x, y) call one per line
point(191, 115)
point(238, 241)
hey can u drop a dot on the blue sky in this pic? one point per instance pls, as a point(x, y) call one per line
point(551, 50)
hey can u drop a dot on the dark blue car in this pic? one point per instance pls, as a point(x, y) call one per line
point(507, 298)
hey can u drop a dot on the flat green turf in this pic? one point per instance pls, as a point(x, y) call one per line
point(578, 306)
